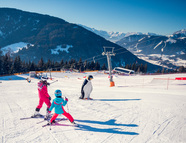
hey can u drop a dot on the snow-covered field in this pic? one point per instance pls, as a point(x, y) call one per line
point(139, 109)
point(14, 48)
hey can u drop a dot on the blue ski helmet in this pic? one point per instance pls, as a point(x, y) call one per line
point(58, 93)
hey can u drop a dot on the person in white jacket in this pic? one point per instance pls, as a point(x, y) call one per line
point(86, 88)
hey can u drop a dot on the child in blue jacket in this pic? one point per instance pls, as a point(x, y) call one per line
point(58, 104)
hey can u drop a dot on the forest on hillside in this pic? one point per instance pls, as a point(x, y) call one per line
point(10, 66)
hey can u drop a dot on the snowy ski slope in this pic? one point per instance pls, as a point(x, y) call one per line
point(139, 109)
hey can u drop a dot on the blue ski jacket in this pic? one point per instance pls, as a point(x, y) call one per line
point(58, 104)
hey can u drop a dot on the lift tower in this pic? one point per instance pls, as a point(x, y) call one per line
point(109, 51)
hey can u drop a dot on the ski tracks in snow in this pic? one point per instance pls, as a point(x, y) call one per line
point(162, 126)
point(3, 126)
point(53, 136)
point(157, 132)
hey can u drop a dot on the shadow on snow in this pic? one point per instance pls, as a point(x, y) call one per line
point(13, 77)
point(117, 99)
point(106, 130)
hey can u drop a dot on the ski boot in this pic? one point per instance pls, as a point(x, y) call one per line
point(74, 124)
point(47, 116)
point(36, 115)
point(53, 122)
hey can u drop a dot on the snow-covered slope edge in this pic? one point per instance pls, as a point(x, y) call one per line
point(138, 109)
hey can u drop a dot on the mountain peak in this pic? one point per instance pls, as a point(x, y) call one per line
point(111, 36)
point(140, 33)
point(181, 33)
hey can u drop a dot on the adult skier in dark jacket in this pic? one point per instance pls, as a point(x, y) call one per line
point(86, 88)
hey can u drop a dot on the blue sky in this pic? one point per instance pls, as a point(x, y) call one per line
point(156, 16)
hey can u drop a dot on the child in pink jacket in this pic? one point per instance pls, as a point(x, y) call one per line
point(44, 97)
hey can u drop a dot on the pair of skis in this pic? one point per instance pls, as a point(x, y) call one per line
point(86, 98)
point(58, 124)
point(37, 116)
point(53, 124)
point(31, 117)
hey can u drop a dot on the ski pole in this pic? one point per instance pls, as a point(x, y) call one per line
point(67, 108)
point(53, 82)
point(50, 126)
point(67, 105)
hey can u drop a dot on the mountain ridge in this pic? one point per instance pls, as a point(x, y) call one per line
point(170, 56)
point(54, 38)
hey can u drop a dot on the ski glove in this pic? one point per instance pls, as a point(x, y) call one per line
point(49, 98)
point(66, 99)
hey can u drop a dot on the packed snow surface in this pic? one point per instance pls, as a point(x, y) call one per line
point(139, 109)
